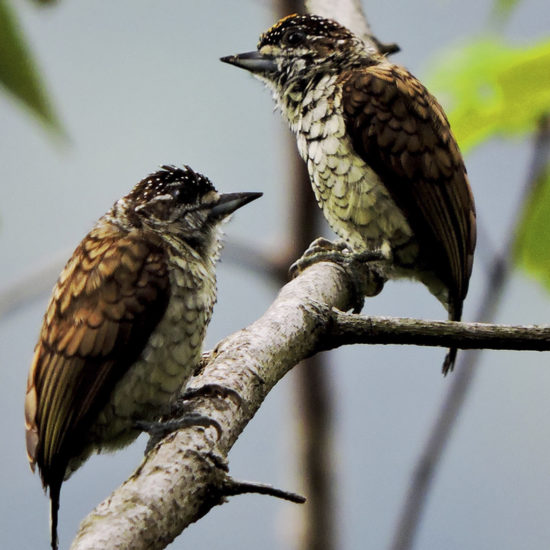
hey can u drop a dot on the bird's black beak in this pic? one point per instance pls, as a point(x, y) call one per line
point(229, 202)
point(255, 62)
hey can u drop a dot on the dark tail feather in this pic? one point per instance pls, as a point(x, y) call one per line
point(55, 489)
point(449, 362)
point(455, 314)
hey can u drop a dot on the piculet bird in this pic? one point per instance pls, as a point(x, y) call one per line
point(123, 331)
point(384, 165)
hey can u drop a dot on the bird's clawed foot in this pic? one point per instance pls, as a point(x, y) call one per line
point(367, 273)
point(365, 268)
point(320, 250)
point(160, 429)
point(180, 415)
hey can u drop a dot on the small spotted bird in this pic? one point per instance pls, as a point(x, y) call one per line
point(384, 165)
point(124, 327)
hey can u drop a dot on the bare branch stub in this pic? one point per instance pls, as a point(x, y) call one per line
point(234, 487)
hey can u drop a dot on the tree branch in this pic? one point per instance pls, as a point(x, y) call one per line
point(184, 476)
point(358, 329)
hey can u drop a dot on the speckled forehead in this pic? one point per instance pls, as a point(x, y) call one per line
point(183, 184)
point(313, 25)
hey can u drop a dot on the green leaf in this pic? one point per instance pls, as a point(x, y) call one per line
point(18, 72)
point(504, 8)
point(532, 246)
point(492, 89)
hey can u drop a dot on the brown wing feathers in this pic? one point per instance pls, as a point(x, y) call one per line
point(403, 134)
point(94, 329)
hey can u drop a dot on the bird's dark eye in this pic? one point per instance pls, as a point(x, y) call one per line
point(294, 38)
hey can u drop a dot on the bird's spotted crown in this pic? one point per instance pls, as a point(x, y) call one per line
point(184, 184)
point(312, 25)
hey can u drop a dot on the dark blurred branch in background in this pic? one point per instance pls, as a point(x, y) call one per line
point(39, 281)
point(36, 284)
point(314, 407)
point(462, 380)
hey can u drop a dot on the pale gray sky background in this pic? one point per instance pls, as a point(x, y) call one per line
point(137, 84)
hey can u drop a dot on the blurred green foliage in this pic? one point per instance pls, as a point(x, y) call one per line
point(504, 8)
point(498, 90)
point(532, 246)
point(18, 73)
point(491, 89)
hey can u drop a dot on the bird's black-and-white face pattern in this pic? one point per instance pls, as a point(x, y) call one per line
point(177, 202)
point(304, 46)
point(173, 200)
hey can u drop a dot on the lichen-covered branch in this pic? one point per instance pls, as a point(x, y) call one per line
point(186, 475)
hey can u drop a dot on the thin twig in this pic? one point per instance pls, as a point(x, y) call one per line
point(357, 329)
point(233, 487)
point(39, 281)
point(31, 286)
point(461, 382)
point(251, 259)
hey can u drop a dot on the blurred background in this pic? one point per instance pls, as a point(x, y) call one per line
point(134, 84)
